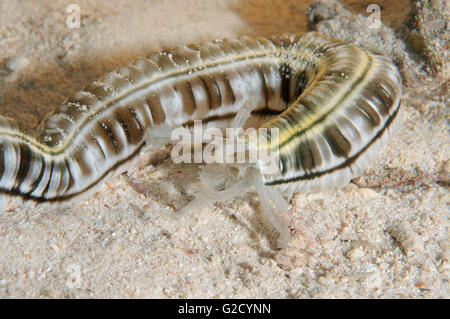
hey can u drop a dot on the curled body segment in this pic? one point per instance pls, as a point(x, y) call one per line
point(333, 103)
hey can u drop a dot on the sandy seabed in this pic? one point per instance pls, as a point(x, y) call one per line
point(386, 236)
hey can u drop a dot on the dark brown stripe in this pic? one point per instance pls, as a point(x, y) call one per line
point(116, 135)
point(369, 110)
point(108, 135)
point(283, 164)
point(123, 125)
point(305, 153)
point(285, 75)
point(24, 158)
point(142, 114)
point(184, 89)
point(383, 99)
point(339, 144)
point(217, 90)
point(316, 155)
point(69, 175)
point(108, 147)
point(156, 109)
point(36, 183)
point(205, 89)
point(130, 126)
point(135, 117)
point(212, 92)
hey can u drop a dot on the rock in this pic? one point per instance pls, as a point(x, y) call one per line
point(429, 33)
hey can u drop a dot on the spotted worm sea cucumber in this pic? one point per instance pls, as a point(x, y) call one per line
point(333, 103)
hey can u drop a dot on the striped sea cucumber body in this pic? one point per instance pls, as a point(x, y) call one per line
point(333, 103)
